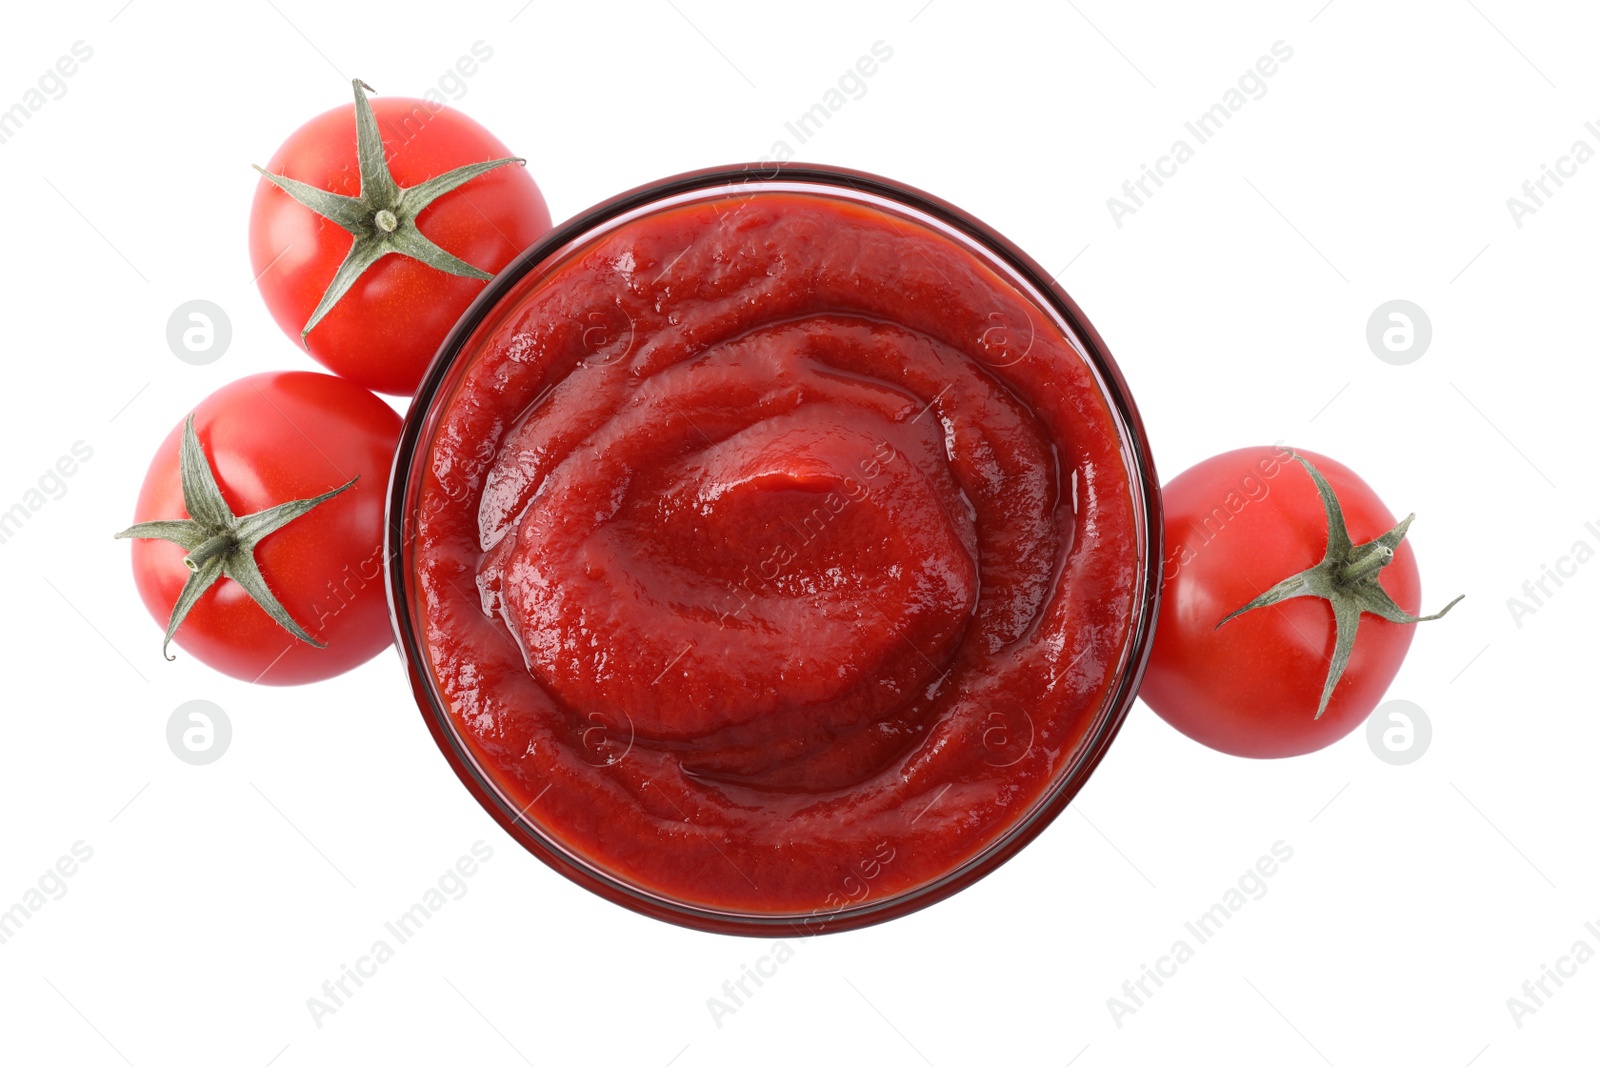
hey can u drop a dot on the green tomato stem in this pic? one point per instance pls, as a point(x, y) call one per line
point(1364, 562)
point(217, 545)
point(1347, 578)
point(221, 544)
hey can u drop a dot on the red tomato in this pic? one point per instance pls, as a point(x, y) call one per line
point(1236, 525)
point(272, 438)
point(383, 333)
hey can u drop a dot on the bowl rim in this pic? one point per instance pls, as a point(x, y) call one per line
point(1118, 702)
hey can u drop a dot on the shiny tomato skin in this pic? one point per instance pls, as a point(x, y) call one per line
point(384, 332)
point(1236, 524)
point(271, 438)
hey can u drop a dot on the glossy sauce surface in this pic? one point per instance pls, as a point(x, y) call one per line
point(774, 553)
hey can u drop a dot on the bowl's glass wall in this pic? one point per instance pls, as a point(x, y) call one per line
point(571, 238)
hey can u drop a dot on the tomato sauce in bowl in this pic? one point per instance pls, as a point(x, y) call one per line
point(774, 548)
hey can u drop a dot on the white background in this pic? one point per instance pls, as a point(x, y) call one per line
point(1376, 166)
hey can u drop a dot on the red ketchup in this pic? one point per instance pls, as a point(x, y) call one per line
point(774, 553)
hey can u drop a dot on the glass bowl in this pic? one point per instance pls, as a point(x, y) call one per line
point(491, 784)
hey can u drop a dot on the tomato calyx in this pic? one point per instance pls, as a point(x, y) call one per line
point(219, 543)
point(1347, 578)
point(383, 218)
